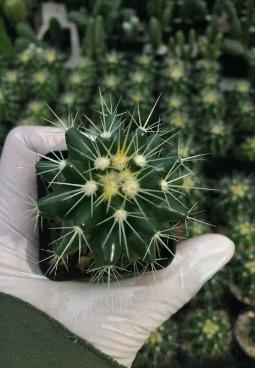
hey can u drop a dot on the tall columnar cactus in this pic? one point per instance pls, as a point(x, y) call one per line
point(115, 195)
point(160, 347)
point(242, 275)
point(175, 78)
point(208, 334)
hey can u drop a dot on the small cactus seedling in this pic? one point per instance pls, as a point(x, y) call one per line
point(160, 348)
point(242, 274)
point(245, 332)
point(207, 334)
point(242, 230)
point(237, 194)
point(248, 148)
point(36, 110)
point(116, 195)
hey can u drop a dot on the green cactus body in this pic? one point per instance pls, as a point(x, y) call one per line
point(217, 137)
point(44, 85)
point(8, 106)
point(213, 291)
point(242, 230)
point(160, 348)
point(114, 195)
point(15, 10)
point(80, 83)
point(242, 275)
point(175, 76)
point(248, 148)
point(245, 332)
point(236, 195)
point(242, 106)
point(13, 81)
point(208, 334)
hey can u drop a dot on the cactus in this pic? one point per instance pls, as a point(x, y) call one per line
point(8, 106)
point(236, 195)
point(94, 42)
point(160, 348)
point(155, 33)
point(114, 63)
point(162, 10)
point(248, 148)
point(175, 76)
point(116, 196)
point(15, 10)
point(80, 83)
point(208, 334)
point(242, 277)
point(198, 228)
point(212, 292)
point(44, 85)
point(14, 82)
point(242, 230)
point(131, 24)
point(242, 106)
point(210, 104)
point(245, 332)
point(217, 137)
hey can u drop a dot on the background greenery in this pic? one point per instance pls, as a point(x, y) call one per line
point(200, 56)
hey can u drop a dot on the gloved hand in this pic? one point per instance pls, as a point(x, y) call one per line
point(117, 319)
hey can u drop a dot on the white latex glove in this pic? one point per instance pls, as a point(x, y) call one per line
point(116, 320)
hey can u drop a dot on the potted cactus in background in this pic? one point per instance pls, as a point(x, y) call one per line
point(245, 332)
point(242, 280)
point(160, 348)
point(115, 198)
point(207, 336)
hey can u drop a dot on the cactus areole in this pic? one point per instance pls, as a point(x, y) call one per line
point(112, 203)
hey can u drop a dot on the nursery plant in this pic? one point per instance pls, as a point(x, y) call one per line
point(242, 230)
point(248, 148)
point(207, 334)
point(213, 291)
point(114, 197)
point(245, 332)
point(160, 348)
point(242, 280)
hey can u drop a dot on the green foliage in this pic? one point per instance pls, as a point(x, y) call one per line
point(208, 334)
point(193, 9)
point(8, 107)
point(242, 276)
point(160, 347)
point(252, 327)
point(114, 196)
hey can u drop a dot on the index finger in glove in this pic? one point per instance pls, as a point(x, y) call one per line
point(18, 187)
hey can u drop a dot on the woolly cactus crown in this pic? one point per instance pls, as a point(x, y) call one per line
point(116, 195)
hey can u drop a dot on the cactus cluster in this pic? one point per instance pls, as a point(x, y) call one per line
point(208, 334)
point(248, 148)
point(213, 291)
point(160, 347)
point(117, 196)
point(242, 230)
